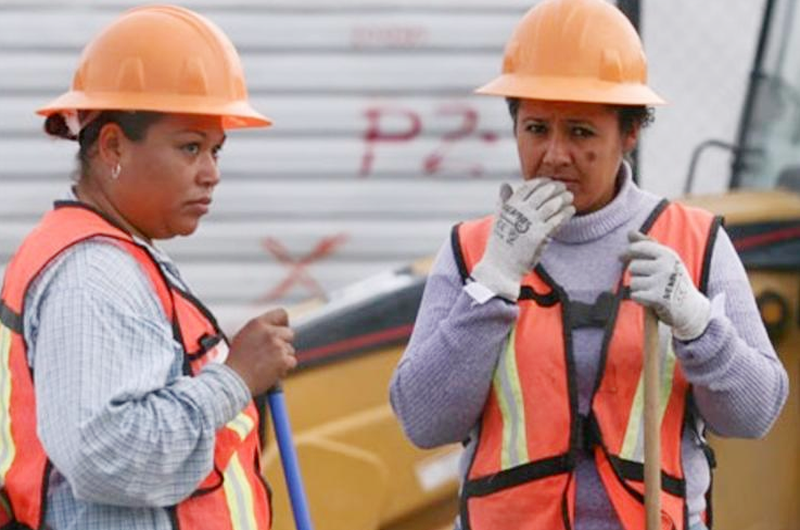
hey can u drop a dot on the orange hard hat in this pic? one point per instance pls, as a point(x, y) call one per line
point(164, 59)
point(575, 50)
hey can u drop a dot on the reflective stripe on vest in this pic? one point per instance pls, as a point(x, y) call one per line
point(521, 474)
point(7, 447)
point(232, 497)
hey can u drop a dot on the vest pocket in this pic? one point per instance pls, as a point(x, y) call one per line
point(529, 506)
point(528, 497)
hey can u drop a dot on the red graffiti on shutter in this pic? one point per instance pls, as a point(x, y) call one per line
point(298, 267)
point(374, 134)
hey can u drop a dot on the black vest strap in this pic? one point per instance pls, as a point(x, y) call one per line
point(588, 434)
point(458, 254)
point(10, 319)
point(207, 343)
point(594, 315)
point(651, 219)
point(635, 471)
point(544, 300)
point(712, 238)
point(518, 475)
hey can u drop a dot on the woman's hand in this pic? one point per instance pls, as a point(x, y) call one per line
point(659, 280)
point(262, 352)
point(525, 219)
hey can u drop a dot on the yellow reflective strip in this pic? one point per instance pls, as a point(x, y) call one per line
point(509, 396)
point(505, 458)
point(632, 446)
point(7, 448)
point(239, 496)
point(667, 376)
point(242, 425)
point(634, 422)
point(521, 439)
point(234, 501)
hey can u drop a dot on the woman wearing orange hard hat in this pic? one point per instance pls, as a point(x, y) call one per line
point(528, 342)
point(124, 405)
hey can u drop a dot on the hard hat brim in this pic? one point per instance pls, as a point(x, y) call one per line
point(577, 89)
point(235, 115)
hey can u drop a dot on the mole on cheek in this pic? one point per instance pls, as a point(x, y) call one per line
point(591, 156)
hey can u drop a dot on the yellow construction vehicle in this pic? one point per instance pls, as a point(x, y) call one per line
point(362, 474)
point(757, 483)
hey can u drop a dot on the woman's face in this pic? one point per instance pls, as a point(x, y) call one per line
point(578, 143)
point(168, 178)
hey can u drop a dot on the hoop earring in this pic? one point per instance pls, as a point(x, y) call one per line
point(116, 171)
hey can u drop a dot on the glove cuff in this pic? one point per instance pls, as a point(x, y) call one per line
point(497, 282)
point(697, 324)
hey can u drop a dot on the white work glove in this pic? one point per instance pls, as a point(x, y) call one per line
point(659, 280)
point(524, 221)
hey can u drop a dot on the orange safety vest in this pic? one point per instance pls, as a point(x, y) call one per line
point(233, 497)
point(522, 472)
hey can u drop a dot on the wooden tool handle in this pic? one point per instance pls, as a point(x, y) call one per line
point(652, 424)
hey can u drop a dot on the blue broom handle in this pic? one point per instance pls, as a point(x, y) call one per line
point(291, 466)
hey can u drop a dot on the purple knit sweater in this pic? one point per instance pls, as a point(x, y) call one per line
point(440, 386)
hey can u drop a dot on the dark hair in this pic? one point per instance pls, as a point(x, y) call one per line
point(513, 109)
point(134, 125)
point(634, 115)
point(629, 115)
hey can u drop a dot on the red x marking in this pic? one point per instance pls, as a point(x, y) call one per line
point(298, 272)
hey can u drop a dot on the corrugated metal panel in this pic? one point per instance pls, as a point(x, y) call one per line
point(291, 5)
point(378, 145)
point(334, 73)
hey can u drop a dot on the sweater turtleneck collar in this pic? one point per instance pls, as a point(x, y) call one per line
point(585, 228)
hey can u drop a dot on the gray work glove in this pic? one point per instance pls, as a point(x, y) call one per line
point(524, 221)
point(659, 280)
